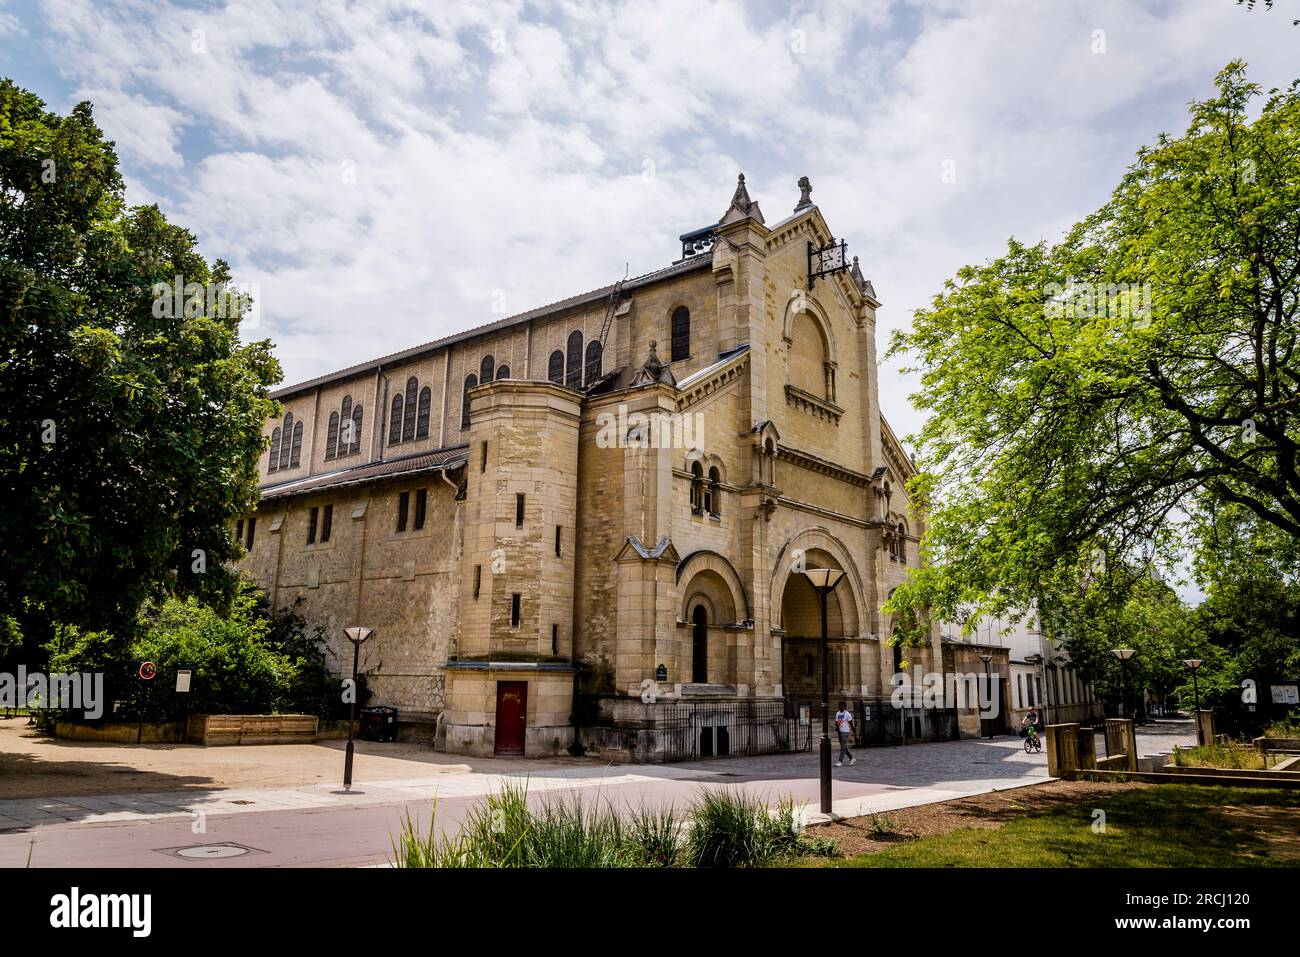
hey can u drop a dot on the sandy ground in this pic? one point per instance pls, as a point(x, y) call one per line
point(36, 765)
point(863, 835)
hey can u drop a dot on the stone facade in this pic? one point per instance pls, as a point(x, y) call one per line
point(597, 529)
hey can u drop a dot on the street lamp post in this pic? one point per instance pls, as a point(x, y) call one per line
point(823, 581)
point(356, 635)
point(1124, 655)
point(1194, 665)
point(986, 657)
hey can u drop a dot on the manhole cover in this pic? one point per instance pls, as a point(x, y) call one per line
point(205, 851)
point(209, 852)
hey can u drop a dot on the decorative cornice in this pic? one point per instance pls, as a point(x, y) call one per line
point(815, 464)
point(707, 386)
point(807, 402)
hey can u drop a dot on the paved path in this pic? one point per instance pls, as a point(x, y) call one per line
point(320, 825)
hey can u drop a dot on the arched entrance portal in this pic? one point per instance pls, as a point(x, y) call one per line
point(700, 645)
point(802, 622)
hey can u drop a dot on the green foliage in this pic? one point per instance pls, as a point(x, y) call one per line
point(246, 661)
point(1230, 754)
point(727, 829)
point(730, 828)
point(1062, 426)
point(1288, 727)
point(655, 835)
point(156, 421)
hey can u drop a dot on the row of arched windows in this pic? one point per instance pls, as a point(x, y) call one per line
point(567, 367)
point(344, 434)
point(408, 416)
point(487, 371)
point(706, 495)
point(286, 445)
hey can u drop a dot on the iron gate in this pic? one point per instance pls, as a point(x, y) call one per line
point(705, 729)
point(877, 722)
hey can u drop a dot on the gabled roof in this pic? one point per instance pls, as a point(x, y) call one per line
point(453, 456)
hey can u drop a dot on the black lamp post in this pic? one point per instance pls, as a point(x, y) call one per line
point(986, 657)
point(356, 635)
point(1124, 655)
point(823, 581)
point(1194, 665)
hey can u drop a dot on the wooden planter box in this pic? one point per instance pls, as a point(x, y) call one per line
point(215, 729)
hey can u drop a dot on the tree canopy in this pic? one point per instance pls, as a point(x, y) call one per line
point(130, 418)
point(1092, 403)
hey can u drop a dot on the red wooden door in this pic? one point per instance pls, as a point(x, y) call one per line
point(512, 715)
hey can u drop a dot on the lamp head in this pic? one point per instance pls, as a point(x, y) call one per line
point(1193, 663)
point(823, 579)
point(1123, 654)
point(357, 634)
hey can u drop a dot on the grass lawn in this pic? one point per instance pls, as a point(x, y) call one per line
point(1170, 825)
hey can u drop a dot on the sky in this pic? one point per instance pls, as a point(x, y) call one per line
point(385, 173)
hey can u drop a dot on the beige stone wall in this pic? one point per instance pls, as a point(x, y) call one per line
point(406, 589)
point(616, 609)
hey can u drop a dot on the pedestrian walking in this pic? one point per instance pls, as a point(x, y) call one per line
point(843, 724)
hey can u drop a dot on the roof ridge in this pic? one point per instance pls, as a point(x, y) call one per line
point(537, 312)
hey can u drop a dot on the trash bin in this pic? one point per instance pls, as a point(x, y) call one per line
point(379, 724)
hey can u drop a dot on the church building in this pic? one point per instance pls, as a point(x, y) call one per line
point(586, 526)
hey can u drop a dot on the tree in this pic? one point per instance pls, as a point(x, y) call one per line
point(1086, 398)
point(1094, 610)
point(245, 660)
point(130, 417)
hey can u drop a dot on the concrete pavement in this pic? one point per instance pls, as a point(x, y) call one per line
point(319, 825)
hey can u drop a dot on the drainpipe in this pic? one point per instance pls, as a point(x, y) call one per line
point(382, 412)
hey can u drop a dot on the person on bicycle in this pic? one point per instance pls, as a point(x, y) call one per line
point(1030, 722)
point(1032, 719)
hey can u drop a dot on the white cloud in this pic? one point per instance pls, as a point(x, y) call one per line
point(537, 149)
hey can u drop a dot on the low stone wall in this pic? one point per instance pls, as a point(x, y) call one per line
point(150, 732)
point(218, 729)
point(1266, 744)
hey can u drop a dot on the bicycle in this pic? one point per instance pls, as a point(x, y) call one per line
point(1033, 745)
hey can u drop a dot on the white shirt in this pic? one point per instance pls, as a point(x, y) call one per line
point(842, 720)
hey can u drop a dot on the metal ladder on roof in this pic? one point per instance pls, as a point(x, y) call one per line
point(611, 306)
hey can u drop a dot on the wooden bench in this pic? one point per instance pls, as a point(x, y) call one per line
point(217, 729)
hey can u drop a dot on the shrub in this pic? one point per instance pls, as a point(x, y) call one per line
point(1288, 727)
point(728, 829)
point(655, 837)
point(249, 661)
point(1229, 754)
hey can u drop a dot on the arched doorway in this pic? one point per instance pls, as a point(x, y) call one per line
point(802, 624)
point(700, 645)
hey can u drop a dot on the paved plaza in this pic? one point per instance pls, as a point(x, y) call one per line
point(317, 823)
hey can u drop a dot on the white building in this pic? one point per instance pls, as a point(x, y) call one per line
point(1041, 674)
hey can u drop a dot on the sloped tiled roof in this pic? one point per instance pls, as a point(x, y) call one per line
point(586, 298)
point(445, 458)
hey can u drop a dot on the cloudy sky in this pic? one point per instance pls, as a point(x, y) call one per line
point(390, 172)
